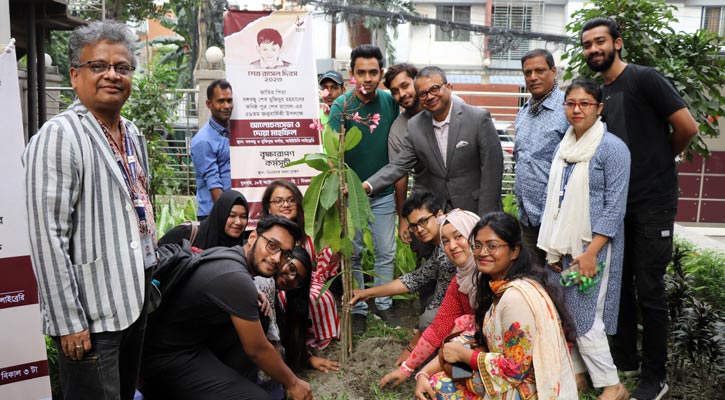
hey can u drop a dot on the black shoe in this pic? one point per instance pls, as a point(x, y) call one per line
point(359, 323)
point(650, 391)
point(389, 318)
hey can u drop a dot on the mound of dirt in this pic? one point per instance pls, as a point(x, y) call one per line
point(371, 359)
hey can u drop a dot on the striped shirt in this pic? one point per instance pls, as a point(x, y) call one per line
point(84, 231)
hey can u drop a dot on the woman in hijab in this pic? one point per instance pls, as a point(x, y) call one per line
point(460, 297)
point(520, 349)
point(582, 231)
point(224, 226)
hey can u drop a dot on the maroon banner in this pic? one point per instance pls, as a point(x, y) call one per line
point(273, 132)
point(23, 372)
point(18, 286)
point(236, 20)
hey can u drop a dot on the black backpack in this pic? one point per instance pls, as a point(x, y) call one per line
point(176, 263)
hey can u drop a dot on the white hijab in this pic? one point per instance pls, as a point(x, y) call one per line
point(566, 226)
point(464, 221)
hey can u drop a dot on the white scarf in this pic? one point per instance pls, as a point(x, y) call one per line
point(566, 227)
point(464, 221)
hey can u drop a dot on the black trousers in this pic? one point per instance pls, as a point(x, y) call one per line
point(647, 251)
point(110, 369)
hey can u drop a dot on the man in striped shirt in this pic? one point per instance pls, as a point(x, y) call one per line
point(91, 223)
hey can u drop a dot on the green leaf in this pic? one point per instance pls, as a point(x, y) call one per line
point(311, 201)
point(331, 142)
point(352, 137)
point(358, 205)
point(330, 191)
point(346, 247)
point(317, 161)
point(331, 234)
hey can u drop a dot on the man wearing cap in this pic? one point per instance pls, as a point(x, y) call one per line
point(332, 82)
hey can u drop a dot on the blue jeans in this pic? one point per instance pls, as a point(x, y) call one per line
point(383, 232)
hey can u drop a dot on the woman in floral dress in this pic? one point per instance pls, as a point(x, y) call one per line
point(520, 328)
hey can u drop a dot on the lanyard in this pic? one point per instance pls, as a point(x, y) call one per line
point(131, 181)
point(566, 173)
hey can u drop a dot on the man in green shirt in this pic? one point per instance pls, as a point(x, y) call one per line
point(373, 111)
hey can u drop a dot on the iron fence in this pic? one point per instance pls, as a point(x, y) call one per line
point(185, 122)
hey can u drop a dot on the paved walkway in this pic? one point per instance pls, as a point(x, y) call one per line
point(710, 236)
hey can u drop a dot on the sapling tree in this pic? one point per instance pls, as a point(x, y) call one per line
point(336, 206)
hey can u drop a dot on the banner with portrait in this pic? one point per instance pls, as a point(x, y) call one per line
point(23, 362)
point(271, 67)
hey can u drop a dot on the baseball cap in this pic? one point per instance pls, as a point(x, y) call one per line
point(334, 75)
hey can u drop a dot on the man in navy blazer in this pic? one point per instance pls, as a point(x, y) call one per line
point(457, 143)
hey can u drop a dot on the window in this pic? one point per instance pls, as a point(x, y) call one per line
point(713, 19)
point(515, 17)
point(460, 14)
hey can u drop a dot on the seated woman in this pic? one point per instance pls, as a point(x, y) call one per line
point(459, 299)
point(582, 230)
point(284, 199)
point(224, 226)
point(520, 350)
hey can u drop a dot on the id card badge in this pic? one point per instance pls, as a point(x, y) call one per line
point(149, 253)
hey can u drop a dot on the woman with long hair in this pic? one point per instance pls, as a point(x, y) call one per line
point(458, 300)
point(283, 198)
point(224, 226)
point(582, 231)
point(520, 333)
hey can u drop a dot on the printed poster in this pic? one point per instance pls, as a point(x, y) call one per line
point(23, 363)
point(271, 67)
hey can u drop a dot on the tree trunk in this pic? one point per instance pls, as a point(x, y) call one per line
point(357, 32)
point(202, 32)
point(347, 286)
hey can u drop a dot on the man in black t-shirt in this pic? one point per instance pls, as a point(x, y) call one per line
point(209, 340)
point(643, 109)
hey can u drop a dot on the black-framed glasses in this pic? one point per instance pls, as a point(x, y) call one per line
point(101, 67)
point(582, 104)
point(490, 246)
point(422, 223)
point(279, 202)
point(433, 90)
point(274, 247)
point(291, 270)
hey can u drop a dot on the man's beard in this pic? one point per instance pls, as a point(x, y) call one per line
point(253, 265)
point(606, 62)
point(413, 107)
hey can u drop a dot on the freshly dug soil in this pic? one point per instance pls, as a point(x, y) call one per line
point(371, 359)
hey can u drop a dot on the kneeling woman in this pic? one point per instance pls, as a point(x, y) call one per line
point(520, 349)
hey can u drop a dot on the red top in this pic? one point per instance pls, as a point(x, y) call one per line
point(454, 305)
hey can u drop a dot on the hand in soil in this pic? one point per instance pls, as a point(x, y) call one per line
point(323, 364)
point(394, 378)
point(301, 390)
point(422, 387)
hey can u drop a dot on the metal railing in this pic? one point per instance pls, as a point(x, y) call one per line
point(185, 122)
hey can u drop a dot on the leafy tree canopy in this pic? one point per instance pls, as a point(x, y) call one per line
point(691, 61)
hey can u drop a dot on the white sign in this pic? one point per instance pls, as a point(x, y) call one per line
point(271, 67)
point(23, 363)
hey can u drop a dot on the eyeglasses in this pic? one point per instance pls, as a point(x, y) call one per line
point(279, 202)
point(290, 271)
point(583, 104)
point(273, 248)
point(100, 67)
point(434, 90)
point(491, 247)
point(422, 223)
